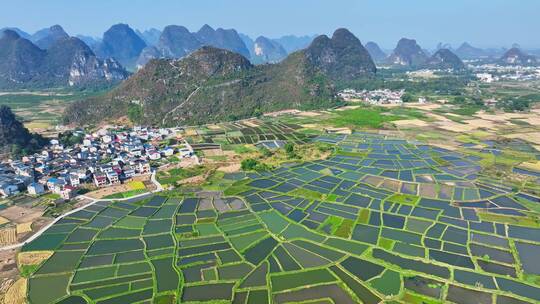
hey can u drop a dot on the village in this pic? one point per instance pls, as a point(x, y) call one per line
point(489, 73)
point(103, 158)
point(375, 97)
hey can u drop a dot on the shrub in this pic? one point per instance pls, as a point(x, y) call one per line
point(249, 164)
point(289, 149)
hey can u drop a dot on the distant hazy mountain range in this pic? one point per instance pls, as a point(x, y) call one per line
point(134, 48)
point(375, 51)
point(445, 59)
point(42, 38)
point(150, 36)
point(122, 43)
point(513, 56)
point(50, 57)
point(60, 61)
point(122, 47)
point(408, 54)
point(91, 60)
point(292, 43)
point(516, 56)
point(177, 41)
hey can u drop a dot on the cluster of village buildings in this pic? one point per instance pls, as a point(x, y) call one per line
point(375, 97)
point(489, 73)
point(106, 157)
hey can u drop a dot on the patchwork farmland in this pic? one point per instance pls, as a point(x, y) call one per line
point(250, 132)
point(383, 220)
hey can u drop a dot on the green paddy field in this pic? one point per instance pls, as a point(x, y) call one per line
point(382, 220)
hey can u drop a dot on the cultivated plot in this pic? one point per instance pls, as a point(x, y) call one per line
point(384, 220)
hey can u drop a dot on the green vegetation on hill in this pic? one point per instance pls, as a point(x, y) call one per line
point(15, 139)
point(215, 85)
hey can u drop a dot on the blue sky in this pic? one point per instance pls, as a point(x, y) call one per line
point(486, 23)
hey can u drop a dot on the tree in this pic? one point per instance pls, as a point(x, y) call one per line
point(171, 142)
point(16, 150)
point(69, 139)
point(135, 113)
point(407, 97)
point(459, 99)
point(289, 149)
point(477, 101)
point(266, 152)
point(249, 164)
point(257, 113)
point(520, 105)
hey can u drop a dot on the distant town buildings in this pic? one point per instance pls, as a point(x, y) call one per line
point(103, 158)
point(375, 97)
point(486, 77)
point(489, 73)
